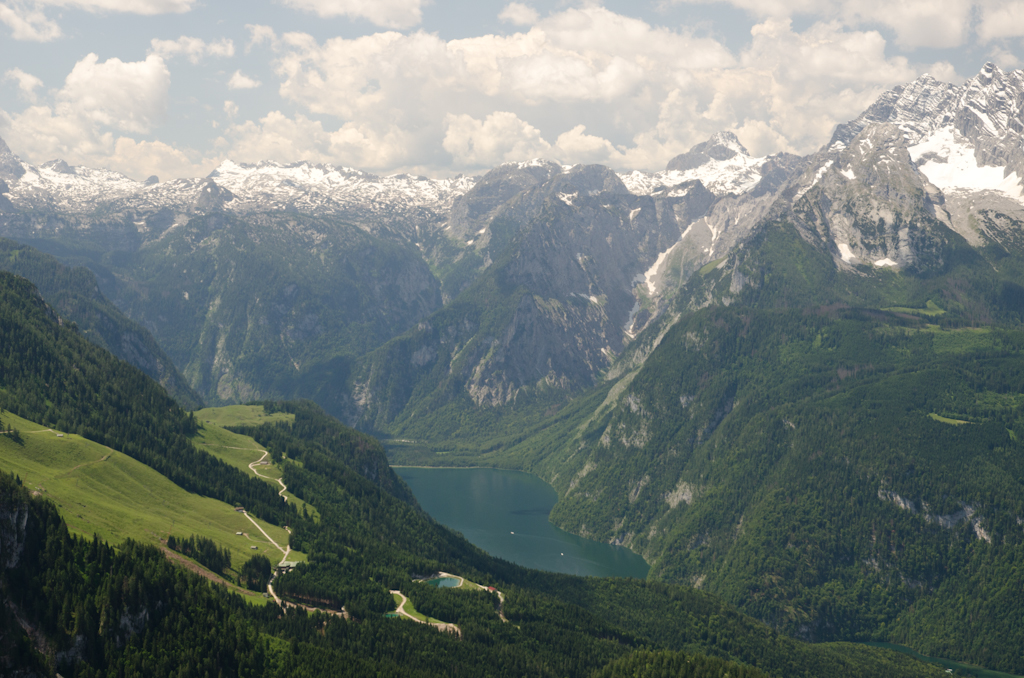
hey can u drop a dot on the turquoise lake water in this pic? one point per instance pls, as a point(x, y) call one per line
point(506, 514)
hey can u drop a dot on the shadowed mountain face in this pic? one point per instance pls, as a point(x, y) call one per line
point(540, 266)
point(553, 305)
point(74, 294)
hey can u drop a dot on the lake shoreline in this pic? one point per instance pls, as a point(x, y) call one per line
point(496, 468)
point(506, 513)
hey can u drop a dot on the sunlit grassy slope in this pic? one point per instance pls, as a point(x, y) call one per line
point(233, 415)
point(238, 450)
point(101, 491)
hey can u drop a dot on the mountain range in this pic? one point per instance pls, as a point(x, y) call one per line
point(789, 380)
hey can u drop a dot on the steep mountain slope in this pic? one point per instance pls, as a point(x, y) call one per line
point(804, 313)
point(839, 472)
point(553, 304)
point(374, 237)
point(51, 375)
point(271, 305)
point(75, 295)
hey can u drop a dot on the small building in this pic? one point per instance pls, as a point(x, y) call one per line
point(240, 509)
point(253, 547)
point(238, 534)
point(60, 435)
point(286, 566)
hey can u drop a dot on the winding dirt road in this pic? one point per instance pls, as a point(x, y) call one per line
point(440, 626)
point(284, 488)
point(252, 467)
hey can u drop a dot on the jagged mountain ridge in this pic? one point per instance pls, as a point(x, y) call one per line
point(956, 153)
point(553, 304)
point(700, 210)
point(846, 349)
point(88, 215)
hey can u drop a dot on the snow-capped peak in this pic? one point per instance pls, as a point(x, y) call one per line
point(264, 186)
point(721, 163)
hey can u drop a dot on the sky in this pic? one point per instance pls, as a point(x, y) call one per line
point(173, 88)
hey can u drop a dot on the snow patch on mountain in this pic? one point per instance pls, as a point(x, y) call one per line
point(73, 189)
point(949, 162)
point(817, 177)
point(306, 186)
point(652, 272)
point(265, 186)
point(735, 175)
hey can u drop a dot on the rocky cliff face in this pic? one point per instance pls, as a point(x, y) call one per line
point(13, 521)
point(961, 158)
point(560, 291)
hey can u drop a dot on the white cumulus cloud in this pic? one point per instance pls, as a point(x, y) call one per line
point(27, 83)
point(128, 96)
point(85, 123)
point(278, 137)
point(239, 80)
point(582, 85)
point(579, 85)
point(28, 20)
point(501, 137)
point(1001, 20)
point(519, 14)
point(193, 49)
point(385, 13)
point(916, 23)
point(28, 23)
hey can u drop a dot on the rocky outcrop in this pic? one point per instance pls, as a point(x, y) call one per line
point(13, 521)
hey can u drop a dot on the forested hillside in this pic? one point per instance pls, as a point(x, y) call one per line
point(51, 375)
point(90, 609)
point(74, 293)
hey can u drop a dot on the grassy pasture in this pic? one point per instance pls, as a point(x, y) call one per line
point(101, 491)
point(233, 415)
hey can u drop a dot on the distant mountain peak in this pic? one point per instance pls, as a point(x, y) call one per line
point(721, 146)
point(722, 164)
point(11, 168)
point(59, 166)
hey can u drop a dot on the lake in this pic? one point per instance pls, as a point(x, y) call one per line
point(506, 514)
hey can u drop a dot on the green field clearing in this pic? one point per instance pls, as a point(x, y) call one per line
point(234, 415)
point(412, 610)
point(710, 266)
point(931, 309)
point(240, 451)
point(961, 340)
point(104, 492)
point(947, 420)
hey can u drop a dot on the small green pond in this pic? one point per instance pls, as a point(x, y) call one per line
point(444, 582)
